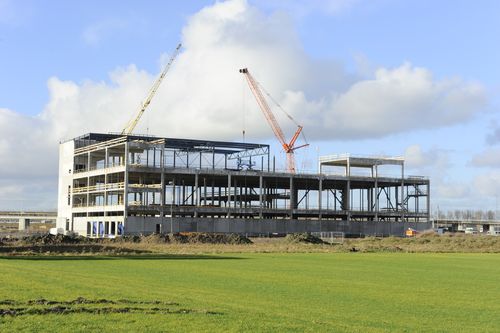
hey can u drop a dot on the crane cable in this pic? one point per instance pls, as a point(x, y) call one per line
point(280, 107)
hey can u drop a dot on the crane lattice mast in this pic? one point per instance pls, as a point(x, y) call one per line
point(129, 128)
point(288, 147)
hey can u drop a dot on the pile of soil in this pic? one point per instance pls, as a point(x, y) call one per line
point(153, 239)
point(52, 244)
point(185, 238)
point(303, 238)
point(208, 238)
point(48, 239)
point(192, 238)
point(124, 239)
point(8, 240)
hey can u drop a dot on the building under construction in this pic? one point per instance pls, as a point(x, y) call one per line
point(113, 184)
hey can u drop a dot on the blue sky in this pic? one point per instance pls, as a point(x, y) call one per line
point(61, 62)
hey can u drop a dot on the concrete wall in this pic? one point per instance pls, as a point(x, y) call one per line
point(137, 225)
point(66, 152)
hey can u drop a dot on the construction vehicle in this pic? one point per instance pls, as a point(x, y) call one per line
point(288, 147)
point(129, 128)
point(410, 232)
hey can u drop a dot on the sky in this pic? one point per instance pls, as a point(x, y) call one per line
point(418, 79)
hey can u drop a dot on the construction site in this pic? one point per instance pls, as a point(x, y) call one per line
point(124, 183)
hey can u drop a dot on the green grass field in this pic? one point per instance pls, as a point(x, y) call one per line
point(344, 292)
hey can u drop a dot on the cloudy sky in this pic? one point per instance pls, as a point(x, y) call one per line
point(412, 78)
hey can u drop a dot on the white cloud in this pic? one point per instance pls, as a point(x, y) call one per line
point(494, 136)
point(403, 99)
point(435, 163)
point(488, 158)
point(451, 190)
point(205, 90)
point(204, 95)
point(433, 159)
point(488, 184)
point(448, 192)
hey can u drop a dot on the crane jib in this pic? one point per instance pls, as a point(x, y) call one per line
point(129, 128)
point(289, 147)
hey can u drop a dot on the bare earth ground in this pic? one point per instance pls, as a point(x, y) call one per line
point(157, 244)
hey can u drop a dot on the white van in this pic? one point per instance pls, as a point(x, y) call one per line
point(494, 231)
point(471, 230)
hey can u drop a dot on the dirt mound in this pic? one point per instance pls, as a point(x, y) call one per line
point(303, 238)
point(155, 239)
point(427, 234)
point(48, 239)
point(208, 238)
point(127, 239)
point(8, 240)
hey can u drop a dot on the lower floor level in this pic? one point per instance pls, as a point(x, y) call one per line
point(115, 226)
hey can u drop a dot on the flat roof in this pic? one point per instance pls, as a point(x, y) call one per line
point(225, 147)
point(359, 161)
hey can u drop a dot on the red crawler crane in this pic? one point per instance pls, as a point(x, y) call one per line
point(289, 147)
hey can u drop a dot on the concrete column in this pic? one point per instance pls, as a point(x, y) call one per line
point(204, 191)
point(105, 194)
point(346, 198)
point(195, 193)
point(293, 197)
point(106, 157)
point(235, 196)
point(183, 193)
point(376, 194)
point(219, 196)
point(173, 191)
point(213, 192)
point(261, 181)
point(246, 196)
point(125, 183)
point(320, 196)
point(163, 185)
point(402, 192)
point(369, 199)
point(228, 195)
point(23, 224)
point(429, 202)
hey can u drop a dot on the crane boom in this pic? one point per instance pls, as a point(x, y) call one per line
point(129, 128)
point(271, 119)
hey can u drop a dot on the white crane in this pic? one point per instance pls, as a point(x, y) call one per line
point(129, 128)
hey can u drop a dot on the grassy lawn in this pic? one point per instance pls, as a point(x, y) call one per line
point(344, 292)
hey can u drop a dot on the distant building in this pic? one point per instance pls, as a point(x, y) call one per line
point(110, 185)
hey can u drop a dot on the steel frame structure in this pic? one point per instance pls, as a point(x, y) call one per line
point(147, 183)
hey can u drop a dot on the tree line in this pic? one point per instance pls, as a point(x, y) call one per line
point(465, 214)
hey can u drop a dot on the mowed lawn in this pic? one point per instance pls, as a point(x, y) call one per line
point(349, 292)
